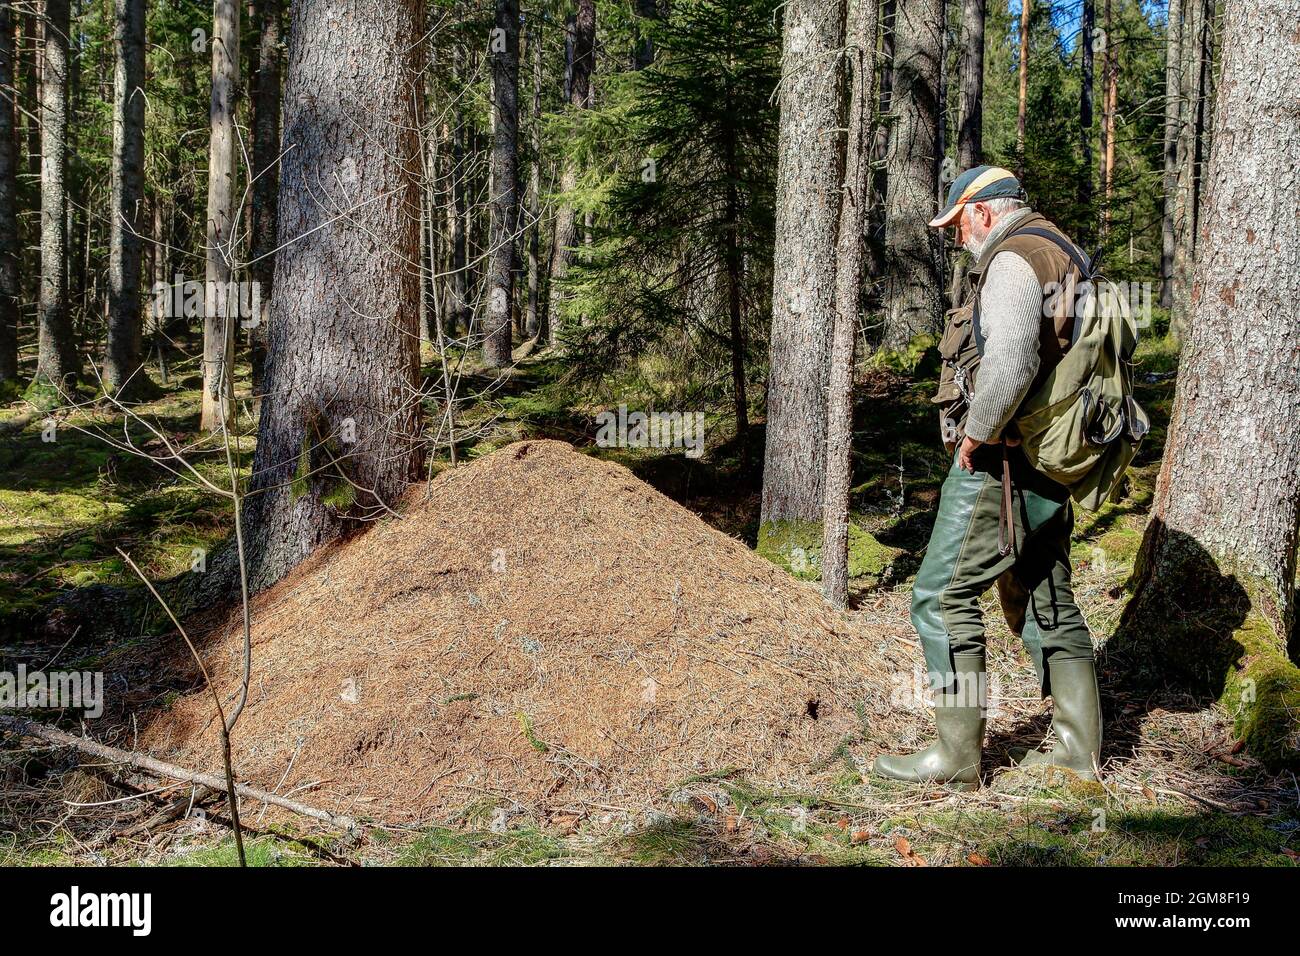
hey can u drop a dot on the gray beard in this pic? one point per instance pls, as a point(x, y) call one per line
point(974, 246)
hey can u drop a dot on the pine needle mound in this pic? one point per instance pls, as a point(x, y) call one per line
point(539, 628)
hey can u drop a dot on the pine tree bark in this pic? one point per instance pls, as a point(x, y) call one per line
point(1087, 37)
point(1173, 104)
point(1220, 551)
point(913, 287)
point(808, 180)
point(31, 87)
point(266, 170)
point(970, 136)
point(1110, 103)
point(880, 146)
point(458, 313)
point(1197, 33)
point(577, 87)
point(532, 325)
point(337, 442)
point(11, 292)
point(123, 361)
point(644, 50)
point(735, 262)
point(57, 361)
point(1022, 102)
point(219, 324)
point(504, 52)
point(855, 200)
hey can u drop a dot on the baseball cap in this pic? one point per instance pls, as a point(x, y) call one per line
point(976, 184)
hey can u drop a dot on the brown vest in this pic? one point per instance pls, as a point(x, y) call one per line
point(961, 345)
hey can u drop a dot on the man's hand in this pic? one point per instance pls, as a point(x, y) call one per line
point(968, 446)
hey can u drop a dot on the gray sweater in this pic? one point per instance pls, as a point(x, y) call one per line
point(1011, 308)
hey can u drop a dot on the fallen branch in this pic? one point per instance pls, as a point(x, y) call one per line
point(159, 768)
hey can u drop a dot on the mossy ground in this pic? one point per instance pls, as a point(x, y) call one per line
point(69, 499)
point(797, 547)
point(68, 504)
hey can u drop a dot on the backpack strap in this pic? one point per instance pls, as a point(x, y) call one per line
point(1084, 265)
point(1076, 256)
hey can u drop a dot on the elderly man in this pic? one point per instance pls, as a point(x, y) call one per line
point(999, 520)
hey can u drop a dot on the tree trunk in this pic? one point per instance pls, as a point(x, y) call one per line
point(220, 316)
point(337, 443)
point(1086, 40)
point(57, 362)
point(431, 316)
point(566, 224)
point(504, 51)
point(11, 292)
point(644, 52)
point(266, 169)
point(532, 325)
point(1110, 90)
point(159, 263)
point(123, 371)
point(735, 257)
point(880, 146)
point(970, 137)
point(854, 202)
point(1217, 573)
point(458, 314)
point(809, 160)
point(1173, 102)
point(1197, 30)
point(32, 85)
point(1026, 10)
point(913, 271)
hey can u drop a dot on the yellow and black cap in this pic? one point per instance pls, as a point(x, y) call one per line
point(975, 185)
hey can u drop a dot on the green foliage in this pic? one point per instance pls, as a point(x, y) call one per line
point(680, 172)
point(1054, 160)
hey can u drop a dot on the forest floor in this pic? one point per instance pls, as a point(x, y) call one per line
point(1178, 791)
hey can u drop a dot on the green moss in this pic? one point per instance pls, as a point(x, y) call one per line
point(299, 484)
point(1065, 830)
point(1263, 695)
point(521, 846)
point(797, 547)
point(1206, 631)
point(257, 852)
point(10, 390)
point(906, 360)
point(340, 495)
point(526, 725)
point(43, 394)
point(1120, 546)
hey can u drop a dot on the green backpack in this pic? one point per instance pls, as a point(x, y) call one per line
point(1083, 427)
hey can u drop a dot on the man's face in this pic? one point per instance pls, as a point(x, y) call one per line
point(973, 226)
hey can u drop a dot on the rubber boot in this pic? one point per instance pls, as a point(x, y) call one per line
point(953, 759)
point(1076, 718)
